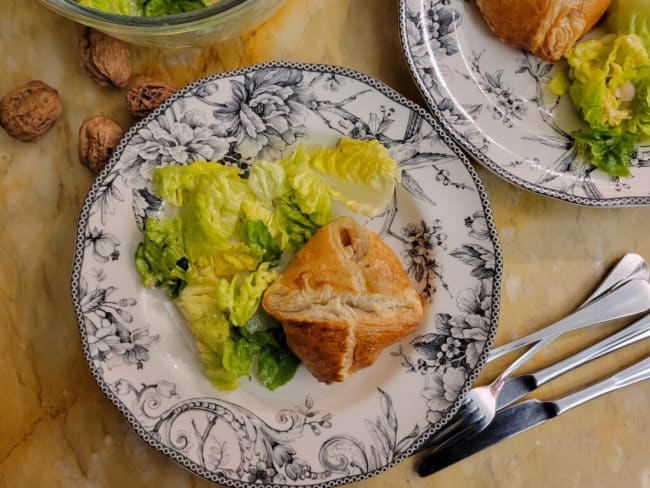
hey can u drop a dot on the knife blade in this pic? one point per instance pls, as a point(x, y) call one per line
point(526, 415)
point(507, 423)
point(521, 385)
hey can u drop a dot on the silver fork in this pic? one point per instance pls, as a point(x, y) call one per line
point(480, 405)
point(630, 266)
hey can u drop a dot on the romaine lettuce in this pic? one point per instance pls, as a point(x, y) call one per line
point(295, 226)
point(610, 87)
point(601, 70)
point(214, 369)
point(239, 299)
point(267, 181)
point(258, 238)
point(238, 356)
point(155, 8)
point(276, 364)
point(199, 297)
point(210, 196)
point(147, 8)
point(120, 7)
point(608, 151)
point(359, 174)
point(160, 258)
point(630, 17)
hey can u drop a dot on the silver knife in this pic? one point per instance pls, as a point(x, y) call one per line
point(528, 414)
point(521, 385)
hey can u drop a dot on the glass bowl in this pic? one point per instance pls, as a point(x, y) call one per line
point(223, 20)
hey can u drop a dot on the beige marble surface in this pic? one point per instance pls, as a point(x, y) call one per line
point(56, 427)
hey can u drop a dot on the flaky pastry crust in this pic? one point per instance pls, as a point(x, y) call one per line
point(547, 28)
point(343, 298)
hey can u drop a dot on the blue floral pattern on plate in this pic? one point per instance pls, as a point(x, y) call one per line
point(493, 101)
point(305, 434)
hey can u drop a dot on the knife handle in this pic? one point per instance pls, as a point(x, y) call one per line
point(629, 299)
point(638, 372)
point(635, 332)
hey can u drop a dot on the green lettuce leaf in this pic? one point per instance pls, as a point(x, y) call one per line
point(156, 8)
point(267, 181)
point(602, 70)
point(309, 192)
point(258, 238)
point(607, 150)
point(560, 83)
point(359, 174)
point(175, 184)
point(212, 330)
point(276, 363)
point(239, 299)
point(199, 297)
point(276, 366)
point(210, 214)
point(233, 357)
point(120, 7)
point(212, 360)
point(295, 226)
point(630, 17)
point(641, 104)
point(161, 259)
point(238, 356)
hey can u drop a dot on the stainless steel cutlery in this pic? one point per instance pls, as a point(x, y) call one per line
point(519, 386)
point(528, 414)
point(624, 292)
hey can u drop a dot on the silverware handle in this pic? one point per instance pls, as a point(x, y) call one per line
point(635, 332)
point(639, 372)
point(515, 365)
point(630, 298)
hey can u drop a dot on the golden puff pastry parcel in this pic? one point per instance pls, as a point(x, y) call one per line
point(343, 298)
point(546, 28)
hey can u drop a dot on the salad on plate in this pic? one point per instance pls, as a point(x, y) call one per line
point(221, 240)
point(608, 81)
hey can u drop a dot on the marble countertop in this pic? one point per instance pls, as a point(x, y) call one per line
point(56, 427)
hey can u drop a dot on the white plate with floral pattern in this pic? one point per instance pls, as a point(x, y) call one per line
point(305, 433)
point(493, 100)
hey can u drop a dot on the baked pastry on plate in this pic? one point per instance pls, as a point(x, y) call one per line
point(547, 28)
point(343, 298)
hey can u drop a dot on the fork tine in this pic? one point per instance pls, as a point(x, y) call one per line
point(468, 430)
point(466, 413)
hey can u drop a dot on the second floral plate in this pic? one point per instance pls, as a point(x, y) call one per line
point(493, 100)
point(305, 433)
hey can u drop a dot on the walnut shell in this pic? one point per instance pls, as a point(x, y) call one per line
point(98, 138)
point(106, 60)
point(142, 99)
point(30, 110)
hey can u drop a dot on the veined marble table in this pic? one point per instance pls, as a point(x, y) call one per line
point(56, 427)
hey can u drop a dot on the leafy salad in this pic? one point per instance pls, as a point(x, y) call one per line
point(146, 8)
point(222, 247)
point(609, 83)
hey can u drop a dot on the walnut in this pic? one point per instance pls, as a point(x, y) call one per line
point(98, 138)
point(30, 110)
point(106, 60)
point(142, 99)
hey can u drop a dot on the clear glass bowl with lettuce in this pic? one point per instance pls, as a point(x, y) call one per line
point(608, 81)
point(168, 23)
point(221, 239)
